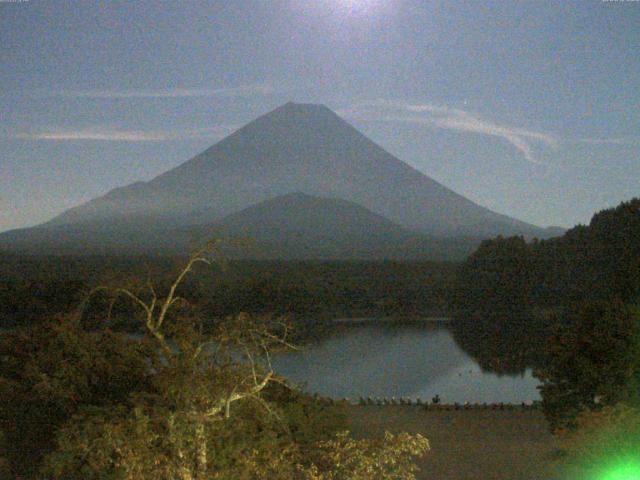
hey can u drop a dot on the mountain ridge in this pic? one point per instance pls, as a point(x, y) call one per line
point(294, 226)
point(303, 148)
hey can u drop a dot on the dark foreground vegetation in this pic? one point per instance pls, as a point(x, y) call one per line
point(178, 403)
point(34, 288)
point(569, 306)
point(81, 400)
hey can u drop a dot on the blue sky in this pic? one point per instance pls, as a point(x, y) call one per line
point(529, 108)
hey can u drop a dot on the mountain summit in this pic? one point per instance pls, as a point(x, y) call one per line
point(295, 148)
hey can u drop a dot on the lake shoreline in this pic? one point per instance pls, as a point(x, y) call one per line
point(428, 406)
point(400, 320)
point(378, 361)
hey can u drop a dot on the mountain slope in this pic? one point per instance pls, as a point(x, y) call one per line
point(295, 148)
point(300, 226)
point(131, 235)
point(299, 148)
point(290, 227)
point(302, 215)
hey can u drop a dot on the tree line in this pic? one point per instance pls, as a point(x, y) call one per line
point(184, 401)
point(600, 262)
point(305, 289)
point(570, 307)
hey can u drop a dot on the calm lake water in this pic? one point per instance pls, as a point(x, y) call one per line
point(416, 361)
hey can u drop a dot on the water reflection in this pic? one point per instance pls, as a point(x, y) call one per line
point(502, 343)
point(400, 361)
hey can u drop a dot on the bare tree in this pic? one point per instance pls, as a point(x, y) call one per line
point(208, 384)
point(214, 371)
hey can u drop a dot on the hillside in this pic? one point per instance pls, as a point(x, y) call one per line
point(295, 148)
point(595, 262)
point(300, 226)
point(290, 227)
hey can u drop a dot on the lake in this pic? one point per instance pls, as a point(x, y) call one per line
point(387, 360)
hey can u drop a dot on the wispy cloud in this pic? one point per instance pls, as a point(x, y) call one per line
point(239, 91)
point(121, 135)
point(526, 141)
point(530, 143)
point(634, 141)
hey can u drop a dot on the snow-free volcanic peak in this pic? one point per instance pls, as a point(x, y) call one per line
point(297, 147)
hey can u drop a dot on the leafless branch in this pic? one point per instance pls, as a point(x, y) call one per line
point(225, 403)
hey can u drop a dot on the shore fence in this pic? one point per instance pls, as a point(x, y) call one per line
point(429, 405)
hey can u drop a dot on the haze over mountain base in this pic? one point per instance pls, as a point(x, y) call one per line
point(300, 182)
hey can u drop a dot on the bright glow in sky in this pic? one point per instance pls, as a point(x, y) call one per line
point(360, 7)
point(529, 108)
point(346, 13)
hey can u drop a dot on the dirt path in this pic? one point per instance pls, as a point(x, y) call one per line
point(468, 444)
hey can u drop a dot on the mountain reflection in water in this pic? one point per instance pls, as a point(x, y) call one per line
point(415, 361)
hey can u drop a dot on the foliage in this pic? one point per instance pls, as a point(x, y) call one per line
point(154, 441)
point(304, 289)
point(388, 458)
point(558, 305)
point(136, 448)
point(308, 419)
point(503, 343)
point(600, 262)
point(606, 255)
point(5, 468)
point(496, 278)
point(593, 359)
point(208, 407)
point(49, 372)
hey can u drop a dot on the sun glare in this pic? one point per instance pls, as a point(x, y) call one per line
point(626, 471)
point(359, 7)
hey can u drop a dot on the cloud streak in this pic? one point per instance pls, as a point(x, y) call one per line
point(610, 141)
point(120, 135)
point(526, 141)
point(230, 92)
point(530, 143)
